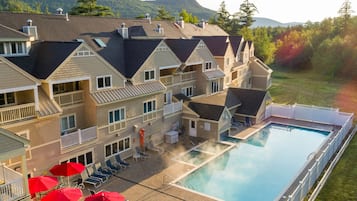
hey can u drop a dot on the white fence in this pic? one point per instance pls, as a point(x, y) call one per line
point(300, 187)
point(172, 108)
point(11, 184)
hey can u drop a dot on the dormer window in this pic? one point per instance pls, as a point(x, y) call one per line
point(104, 82)
point(208, 66)
point(12, 48)
point(99, 42)
point(149, 75)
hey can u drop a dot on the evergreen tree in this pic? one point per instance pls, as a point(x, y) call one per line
point(163, 14)
point(222, 18)
point(90, 7)
point(246, 12)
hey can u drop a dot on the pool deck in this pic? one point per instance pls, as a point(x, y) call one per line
point(149, 179)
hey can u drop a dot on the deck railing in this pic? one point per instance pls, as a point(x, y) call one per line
point(172, 108)
point(17, 112)
point(188, 76)
point(69, 98)
point(167, 80)
point(11, 184)
point(308, 176)
point(78, 137)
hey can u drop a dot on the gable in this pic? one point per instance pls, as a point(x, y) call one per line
point(12, 76)
point(201, 54)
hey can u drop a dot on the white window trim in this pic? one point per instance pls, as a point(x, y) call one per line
point(214, 81)
point(166, 97)
point(147, 102)
point(114, 122)
point(67, 116)
point(78, 154)
point(205, 64)
point(184, 90)
point(150, 79)
point(104, 87)
point(117, 141)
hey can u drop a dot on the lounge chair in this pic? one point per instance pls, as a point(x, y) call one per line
point(96, 182)
point(99, 168)
point(152, 147)
point(92, 173)
point(111, 166)
point(141, 153)
point(120, 161)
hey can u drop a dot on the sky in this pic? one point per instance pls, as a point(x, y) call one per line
point(286, 10)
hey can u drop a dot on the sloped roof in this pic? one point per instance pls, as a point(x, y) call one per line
point(235, 42)
point(9, 33)
point(251, 100)
point(182, 48)
point(45, 57)
point(216, 44)
point(46, 105)
point(207, 111)
point(191, 30)
point(136, 53)
point(214, 74)
point(127, 92)
point(226, 98)
point(10, 143)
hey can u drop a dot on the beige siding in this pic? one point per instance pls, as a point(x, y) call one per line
point(207, 134)
point(11, 78)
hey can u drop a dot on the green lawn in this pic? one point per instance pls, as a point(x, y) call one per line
point(305, 88)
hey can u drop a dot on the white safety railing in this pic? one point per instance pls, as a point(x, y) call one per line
point(308, 176)
point(172, 108)
point(80, 136)
point(17, 112)
point(11, 184)
point(69, 98)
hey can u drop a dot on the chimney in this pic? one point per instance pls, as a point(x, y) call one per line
point(202, 24)
point(159, 29)
point(181, 22)
point(147, 17)
point(30, 30)
point(59, 11)
point(123, 31)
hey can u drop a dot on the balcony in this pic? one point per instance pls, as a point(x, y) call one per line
point(117, 126)
point(172, 108)
point(11, 185)
point(78, 137)
point(17, 112)
point(167, 80)
point(69, 98)
point(149, 116)
point(187, 76)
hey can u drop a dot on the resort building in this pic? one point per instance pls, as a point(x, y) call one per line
point(83, 87)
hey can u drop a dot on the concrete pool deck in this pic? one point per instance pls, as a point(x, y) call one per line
point(149, 179)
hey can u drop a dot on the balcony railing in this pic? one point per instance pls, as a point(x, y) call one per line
point(79, 137)
point(17, 112)
point(167, 80)
point(117, 126)
point(69, 98)
point(172, 108)
point(11, 184)
point(149, 116)
point(188, 76)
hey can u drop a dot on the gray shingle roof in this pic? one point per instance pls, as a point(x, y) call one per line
point(207, 111)
point(136, 53)
point(182, 48)
point(251, 100)
point(216, 44)
point(9, 33)
point(129, 91)
point(235, 42)
point(226, 98)
point(214, 74)
point(45, 57)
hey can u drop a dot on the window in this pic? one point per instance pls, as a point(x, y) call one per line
point(83, 53)
point(99, 42)
point(12, 48)
point(168, 97)
point(84, 158)
point(214, 86)
point(234, 75)
point(149, 106)
point(7, 99)
point(68, 123)
point(104, 82)
point(208, 66)
point(116, 115)
point(117, 147)
point(66, 87)
point(149, 75)
point(207, 126)
point(187, 91)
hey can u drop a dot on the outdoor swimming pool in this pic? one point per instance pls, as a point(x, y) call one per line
point(259, 168)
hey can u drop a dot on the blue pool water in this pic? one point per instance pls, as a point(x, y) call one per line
point(259, 168)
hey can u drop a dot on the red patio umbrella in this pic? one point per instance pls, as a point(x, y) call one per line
point(64, 194)
point(67, 169)
point(106, 196)
point(42, 183)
